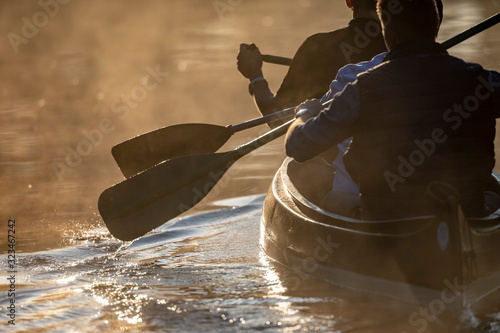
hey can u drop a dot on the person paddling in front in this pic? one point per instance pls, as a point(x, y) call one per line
point(420, 116)
point(317, 61)
point(315, 65)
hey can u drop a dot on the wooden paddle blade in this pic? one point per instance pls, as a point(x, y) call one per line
point(145, 151)
point(139, 204)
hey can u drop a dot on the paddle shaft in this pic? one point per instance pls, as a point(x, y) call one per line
point(488, 23)
point(262, 140)
point(262, 120)
point(276, 60)
point(284, 114)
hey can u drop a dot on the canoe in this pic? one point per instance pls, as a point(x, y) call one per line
point(446, 258)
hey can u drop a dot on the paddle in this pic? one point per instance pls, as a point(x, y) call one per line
point(145, 201)
point(144, 151)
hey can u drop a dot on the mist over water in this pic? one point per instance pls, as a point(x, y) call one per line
point(79, 77)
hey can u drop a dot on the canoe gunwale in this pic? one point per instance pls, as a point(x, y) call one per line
point(479, 225)
point(291, 225)
point(306, 208)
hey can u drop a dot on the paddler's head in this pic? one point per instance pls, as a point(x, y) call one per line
point(409, 20)
point(362, 8)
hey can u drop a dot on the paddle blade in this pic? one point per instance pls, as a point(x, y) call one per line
point(139, 204)
point(147, 150)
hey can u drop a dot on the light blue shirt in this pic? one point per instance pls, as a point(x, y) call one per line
point(337, 123)
point(347, 74)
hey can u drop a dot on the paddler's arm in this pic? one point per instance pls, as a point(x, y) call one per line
point(311, 135)
point(300, 82)
point(305, 111)
point(250, 66)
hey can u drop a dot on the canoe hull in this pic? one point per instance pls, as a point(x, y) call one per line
point(414, 258)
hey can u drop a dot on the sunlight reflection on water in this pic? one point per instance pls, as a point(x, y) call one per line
point(202, 272)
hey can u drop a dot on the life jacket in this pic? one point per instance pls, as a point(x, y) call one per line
point(425, 116)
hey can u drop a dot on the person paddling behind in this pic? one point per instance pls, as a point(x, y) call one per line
point(343, 199)
point(317, 61)
point(419, 117)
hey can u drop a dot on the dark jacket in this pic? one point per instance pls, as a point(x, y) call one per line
point(424, 116)
point(317, 61)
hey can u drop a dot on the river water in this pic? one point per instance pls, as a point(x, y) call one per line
point(63, 76)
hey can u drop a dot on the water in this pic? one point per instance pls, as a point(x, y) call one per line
point(206, 271)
